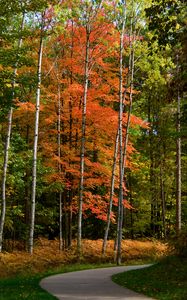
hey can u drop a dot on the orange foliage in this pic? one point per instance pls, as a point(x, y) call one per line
point(47, 256)
point(63, 66)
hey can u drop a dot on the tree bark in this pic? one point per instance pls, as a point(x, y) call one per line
point(120, 200)
point(70, 177)
point(130, 109)
point(178, 159)
point(34, 168)
point(111, 193)
point(59, 156)
point(163, 202)
point(131, 73)
point(82, 152)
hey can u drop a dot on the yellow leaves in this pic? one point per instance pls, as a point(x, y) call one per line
point(9, 85)
point(177, 27)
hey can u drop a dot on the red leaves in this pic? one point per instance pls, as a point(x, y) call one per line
point(94, 205)
point(65, 85)
point(127, 205)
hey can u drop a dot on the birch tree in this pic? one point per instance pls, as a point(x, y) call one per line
point(82, 150)
point(111, 193)
point(34, 164)
point(8, 137)
point(122, 97)
point(59, 154)
point(120, 201)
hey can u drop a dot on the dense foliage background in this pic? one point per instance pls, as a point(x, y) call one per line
point(155, 173)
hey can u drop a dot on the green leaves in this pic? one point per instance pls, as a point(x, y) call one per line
point(164, 20)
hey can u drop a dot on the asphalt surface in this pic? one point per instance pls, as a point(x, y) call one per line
point(93, 284)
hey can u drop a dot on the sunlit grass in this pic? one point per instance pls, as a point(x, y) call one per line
point(166, 280)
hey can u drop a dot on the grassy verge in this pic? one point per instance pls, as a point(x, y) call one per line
point(20, 273)
point(27, 287)
point(166, 280)
point(23, 288)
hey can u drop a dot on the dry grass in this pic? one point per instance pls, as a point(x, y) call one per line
point(132, 250)
point(47, 255)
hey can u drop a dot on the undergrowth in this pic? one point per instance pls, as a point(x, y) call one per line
point(47, 256)
point(21, 273)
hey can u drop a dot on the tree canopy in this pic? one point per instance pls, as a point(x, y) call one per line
point(111, 80)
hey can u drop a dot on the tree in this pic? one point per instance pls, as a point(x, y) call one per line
point(171, 15)
point(91, 11)
point(9, 128)
point(120, 203)
point(33, 194)
point(43, 24)
point(101, 84)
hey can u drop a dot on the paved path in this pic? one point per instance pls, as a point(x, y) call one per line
point(93, 284)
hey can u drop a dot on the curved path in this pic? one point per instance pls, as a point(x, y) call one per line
point(95, 284)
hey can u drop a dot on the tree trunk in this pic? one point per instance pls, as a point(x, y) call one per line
point(131, 72)
point(7, 145)
point(60, 222)
point(131, 202)
point(163, 202)
point(70, 218)
point(70, 177)
point(66, 218)
point(59, 156)
point(34, 168)
point(111, 193)
point(120, 201)
point(130, 109)
point(178, 160)
point(151, 170)
point(82, 152)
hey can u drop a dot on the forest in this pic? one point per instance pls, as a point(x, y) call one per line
point(93, 109)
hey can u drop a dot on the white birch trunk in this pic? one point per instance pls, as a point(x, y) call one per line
point(82, 152)
point(5, 166)
point(34, 167)
point(120, 201)
point(129, 112)
point(130, 82)
point(124, 152)
point(116, 151)
point(59, 165)
point(121, 208)
point(111, 193)
point(7, 146)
